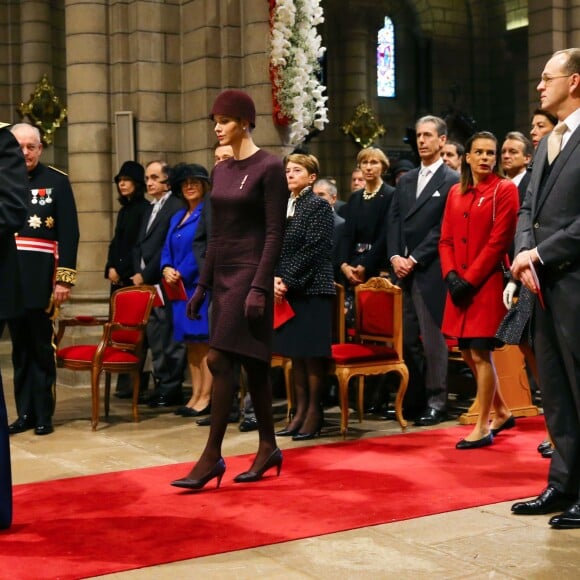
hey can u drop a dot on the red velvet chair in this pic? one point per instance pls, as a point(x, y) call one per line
point(377, 347)
point(119, 349)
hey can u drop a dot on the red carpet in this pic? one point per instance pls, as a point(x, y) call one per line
point(85, 526)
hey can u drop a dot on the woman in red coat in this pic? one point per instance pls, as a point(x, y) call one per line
point(478, 227)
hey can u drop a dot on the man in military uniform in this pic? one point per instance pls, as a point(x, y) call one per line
point(47, 253)
point(13, 209)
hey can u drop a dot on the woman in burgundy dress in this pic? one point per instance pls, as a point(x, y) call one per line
point(248, 200)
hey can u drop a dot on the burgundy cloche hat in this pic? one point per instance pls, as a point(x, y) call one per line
point(235, 103)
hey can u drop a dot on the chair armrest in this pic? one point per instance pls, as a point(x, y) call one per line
point(65, 323)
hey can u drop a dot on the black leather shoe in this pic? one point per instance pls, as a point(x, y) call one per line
point(248, 424)
point(547, 453)
point(190, 412)
point(509, 423)
point(216, 472)
point(388, 415)
point(549, 501)
point(20, 425)
point(43, 429)
point(569, 520)
point(483, 442)
point(233, 417)
point(275, 460)
point(287, 432)
point(431, 417)
point(163, 400)
point(545, 444)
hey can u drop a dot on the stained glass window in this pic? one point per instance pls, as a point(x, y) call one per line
point(386, 60)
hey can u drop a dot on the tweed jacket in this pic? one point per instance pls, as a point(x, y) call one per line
point(305, 263)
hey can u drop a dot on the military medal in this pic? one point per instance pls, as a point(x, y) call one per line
point(34, 222)
point(44, 196)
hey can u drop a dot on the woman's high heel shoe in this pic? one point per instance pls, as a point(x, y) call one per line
point(216, 472)
point(306, 436)
point(287, 432)
point(275, 460)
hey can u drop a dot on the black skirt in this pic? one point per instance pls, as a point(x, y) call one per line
point(479, 343)
point(309, 332)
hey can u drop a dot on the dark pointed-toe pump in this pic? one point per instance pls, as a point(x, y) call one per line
point(275, 460)
point(287, 432)
point(217, 472)
point(306, 435)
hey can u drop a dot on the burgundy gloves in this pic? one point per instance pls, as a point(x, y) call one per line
point(255, 305)
point(195, 303)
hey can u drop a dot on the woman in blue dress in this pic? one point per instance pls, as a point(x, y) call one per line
point(181, 262)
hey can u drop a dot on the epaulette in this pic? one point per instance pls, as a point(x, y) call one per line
point(2, 125)
point(57, 169)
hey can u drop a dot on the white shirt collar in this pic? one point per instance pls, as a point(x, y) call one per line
point(162, 199)
point(433, 167)
point(518, 178)
point(572, 121)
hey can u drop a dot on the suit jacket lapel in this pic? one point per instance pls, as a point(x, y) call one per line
point(431, 187)
point(409, 195)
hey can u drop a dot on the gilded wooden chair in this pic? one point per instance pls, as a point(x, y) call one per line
point(377, 346)
point(119, 349)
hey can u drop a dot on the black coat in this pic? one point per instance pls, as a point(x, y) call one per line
point(365, 222)
point(13, 212)
point(127, 230)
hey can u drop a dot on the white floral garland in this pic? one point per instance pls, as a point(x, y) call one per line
point(296, 48)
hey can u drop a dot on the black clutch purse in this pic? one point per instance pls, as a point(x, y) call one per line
point(513, 329)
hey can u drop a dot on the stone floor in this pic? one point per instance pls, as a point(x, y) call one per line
point(479, 543)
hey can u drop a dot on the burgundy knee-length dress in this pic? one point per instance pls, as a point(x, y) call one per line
point(248, 200)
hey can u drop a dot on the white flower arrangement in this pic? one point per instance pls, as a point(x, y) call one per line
point(296, 49)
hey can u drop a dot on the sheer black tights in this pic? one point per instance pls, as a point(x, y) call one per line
point(222, 367)
point(309, 382)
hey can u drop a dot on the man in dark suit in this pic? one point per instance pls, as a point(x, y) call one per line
point(413, 231)
point(326, 189)
point(516, 154)
point(13, 212)
point(168, 356)
point(548, 245)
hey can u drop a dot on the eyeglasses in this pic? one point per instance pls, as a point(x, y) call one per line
point(549, 78)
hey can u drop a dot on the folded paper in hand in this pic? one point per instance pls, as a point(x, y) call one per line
point(158, 300)
point(174, 291)
point(283, 312)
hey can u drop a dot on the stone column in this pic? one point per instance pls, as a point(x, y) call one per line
point(548, 31)
point(36, 52)
point(89, 140)
point(255, 51)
